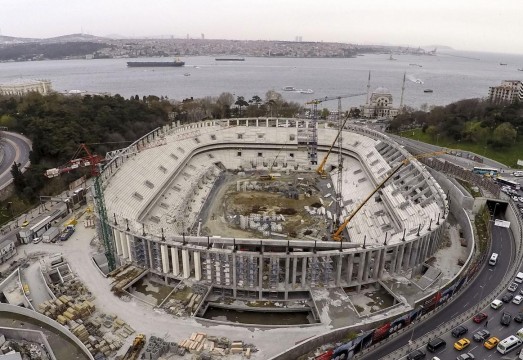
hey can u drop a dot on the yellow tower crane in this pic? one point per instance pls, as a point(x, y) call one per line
point(337, 236)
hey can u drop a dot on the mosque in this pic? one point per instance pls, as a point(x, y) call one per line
point(379, 103)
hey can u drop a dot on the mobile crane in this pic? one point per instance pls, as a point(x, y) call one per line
point(337, 235)
point(94, 162)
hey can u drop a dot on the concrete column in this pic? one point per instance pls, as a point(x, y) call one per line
point(197, 266)
point(408, 253)
point(234, 280)
point(350, 268)
point(165, 258)
point(393, 260)
point(148, 244)
point(303, 271)
point(186, 264)
point(260, 277)
point(129, 243)
point(176, 261)
point(125, 245)
point(117, 241)
point(377, 259)
point(287, 271)
point(338, 269)
point(294, 271)
point(399, 262)
point(362, 268)
point(382, 262)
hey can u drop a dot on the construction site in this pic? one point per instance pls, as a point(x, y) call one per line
point(286, 206)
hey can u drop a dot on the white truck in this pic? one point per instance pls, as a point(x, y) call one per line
point(51, 234)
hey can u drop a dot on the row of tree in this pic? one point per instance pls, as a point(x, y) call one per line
point(58, 124)
point(472, 120)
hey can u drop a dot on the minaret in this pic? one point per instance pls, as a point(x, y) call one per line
point(402, 92)
point(368, 89)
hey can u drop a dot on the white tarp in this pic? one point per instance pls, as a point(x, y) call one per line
point(502, 223)
point(520, 162)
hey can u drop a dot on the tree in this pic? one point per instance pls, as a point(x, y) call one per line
point(240, 102)
point(256, 100)
point(505, 134)
point(225, 100)
point(18, 178)
point(432, 131)
point(324, 113)
point(273, 95)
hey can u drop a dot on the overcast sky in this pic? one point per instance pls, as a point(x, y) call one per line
point(481, 25)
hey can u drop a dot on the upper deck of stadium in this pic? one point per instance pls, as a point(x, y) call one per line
point(152, 185)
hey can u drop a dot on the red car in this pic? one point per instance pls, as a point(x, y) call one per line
point(479, 317)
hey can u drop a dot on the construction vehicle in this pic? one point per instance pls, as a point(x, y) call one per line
point(321, 169)
point(94, 162)
point(337, 235)
point(135, 348)
point(67, 233)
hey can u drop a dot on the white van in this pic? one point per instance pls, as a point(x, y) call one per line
point(508, 344)
point(493, 259)
point(519, 278)
point(519, 334)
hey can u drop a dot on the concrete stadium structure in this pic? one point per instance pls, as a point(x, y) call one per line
point(155, 189)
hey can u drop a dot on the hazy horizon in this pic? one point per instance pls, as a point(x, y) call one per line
point(479, 26)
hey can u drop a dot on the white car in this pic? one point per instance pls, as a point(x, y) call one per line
point(496, 304)
point(37, 240)
point(515, 198)
point(517, 173)
point(517, 299)
point(513, 287)
point(520, 198)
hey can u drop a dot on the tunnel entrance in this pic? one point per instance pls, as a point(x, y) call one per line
point(497, 207)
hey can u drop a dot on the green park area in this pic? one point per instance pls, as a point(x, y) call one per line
point(507, 156)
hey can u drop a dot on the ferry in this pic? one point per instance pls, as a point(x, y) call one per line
point(176, 63)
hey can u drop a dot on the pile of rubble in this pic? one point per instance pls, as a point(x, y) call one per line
point(157, 347)
point(102, 334)
point(207, 347)
point(187, 306)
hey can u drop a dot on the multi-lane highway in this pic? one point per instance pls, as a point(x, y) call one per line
point(16, 147)
point(488, 279)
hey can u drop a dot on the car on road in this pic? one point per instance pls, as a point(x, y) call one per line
point(517, 173)
point(519, 318)
point(515, 198)
point(467, 356)
point(496, 304)
point(491, 343)
point(507, 298)
point(513, 287)
point(517, 299)
point(416, 355)
point(520, 198)
point(459, 331)
point(481, 335)
point(461, 344)
point(506, 318)
point(478, 318)
point(436, 344)
point(37, 240)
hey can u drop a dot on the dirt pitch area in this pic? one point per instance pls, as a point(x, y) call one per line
point(268, 198)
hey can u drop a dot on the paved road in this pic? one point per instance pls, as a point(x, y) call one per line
point(485, 282)
point(16, 147)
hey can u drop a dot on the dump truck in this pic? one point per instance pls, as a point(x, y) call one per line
point(66, 234)
point(135, 348)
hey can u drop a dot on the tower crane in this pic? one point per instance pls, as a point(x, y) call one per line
point(313, 138)
point(94, 162)
point(336, 236)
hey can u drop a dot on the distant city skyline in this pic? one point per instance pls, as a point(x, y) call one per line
point(480, 25)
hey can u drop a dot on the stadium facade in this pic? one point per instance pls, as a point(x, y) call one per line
point(156, 188)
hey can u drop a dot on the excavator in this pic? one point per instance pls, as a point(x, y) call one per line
point(135, 348)
point(337, 235)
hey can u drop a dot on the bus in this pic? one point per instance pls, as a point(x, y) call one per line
point(485, 171)
point(514, 185)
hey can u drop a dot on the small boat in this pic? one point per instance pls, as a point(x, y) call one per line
point(288, 88)
point(186, 74)
point(230, 59)
point(418, 65)
point(305, 91)
point(428, 91)
point(520, 69)
point(503, 64)
point(391, 58)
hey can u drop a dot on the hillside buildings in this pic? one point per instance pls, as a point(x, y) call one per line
point(508, 92)
point(24, 86)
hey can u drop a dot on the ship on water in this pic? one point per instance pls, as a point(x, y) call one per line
point(175, 63)
point(230, 59)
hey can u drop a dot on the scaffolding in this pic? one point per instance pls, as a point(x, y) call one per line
point(156, 256)
point(246, 271)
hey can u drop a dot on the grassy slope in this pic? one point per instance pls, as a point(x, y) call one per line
point(506, 156)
